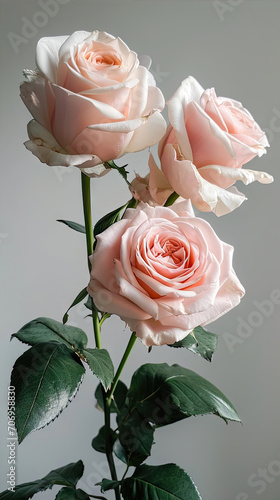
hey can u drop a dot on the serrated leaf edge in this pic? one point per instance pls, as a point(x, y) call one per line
point(62, 409)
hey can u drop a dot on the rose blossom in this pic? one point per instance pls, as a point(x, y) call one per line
point(205, 146)
point(164, 272)
point(91, 102)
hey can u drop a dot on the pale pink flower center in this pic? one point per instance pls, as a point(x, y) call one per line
point(98, 58)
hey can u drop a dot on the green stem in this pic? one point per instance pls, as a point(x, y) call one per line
point(107, 398)
point(107, 404)
point(89, 238)
point(108, 446)
point(125, 472)
point(172, 198)
point(94, 496)
point(87, 215)
point(96, 327)
point(111, 165)
point(130, 345)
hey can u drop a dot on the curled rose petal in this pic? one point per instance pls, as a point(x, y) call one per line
point(43, 145)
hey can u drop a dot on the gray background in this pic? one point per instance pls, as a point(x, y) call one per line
point(234, 46)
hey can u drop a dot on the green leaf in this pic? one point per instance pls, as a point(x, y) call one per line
point(111, 165)
point(199, 342)
point(108, 220)
point(89, 303)
point(68, 475)
point(100, 364)
point(99, 442)
point(118, 397)
point(48, 330)
point(81, 296)
point(120, 452)
point(165, 394)
point(171, 199)
point(73, 225)
point(67, 493)
point(136, 437)
point(104, 317)
point(46, 378)
point(162, 482)
point(133, 203)
point(108, 484)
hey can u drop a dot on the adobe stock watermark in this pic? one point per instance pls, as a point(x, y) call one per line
point(78, 313)
point(3, 236)
point(274, 125)
point(260, 480)
point(99, 470)
point(11, 439)
point(131, 439)
point(226, 6)
point(30, 27)
point(245, 327)
point(158, 74)
point(85, 144)
point(61, 171)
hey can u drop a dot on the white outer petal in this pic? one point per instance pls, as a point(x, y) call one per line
point(220, 201)
point(120, 127)
point(47, 55)
point(189, 90)
point(43, 145)
point(148, 134)
point(239, 174)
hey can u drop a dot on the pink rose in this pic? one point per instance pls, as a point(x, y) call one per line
point(205, 146)
point(91, 102)
point(164, 272)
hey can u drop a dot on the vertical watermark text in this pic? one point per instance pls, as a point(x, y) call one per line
point(11, 440)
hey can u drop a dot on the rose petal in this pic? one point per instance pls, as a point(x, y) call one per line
point(38, 101)
point(102, 261)
point(148, 134)
point(221, 176)
point(155, 101)
point(47, 55)
point(189, 90)
point(139, 94)
point(142, 300)
point(159, 186)
point(113, 303)
point(188, 183)
point(45, 147)
point(209, 143)
point(101, 142)
point(153, 332)
point(74, 113)
point(120, 127)
point(69, 43)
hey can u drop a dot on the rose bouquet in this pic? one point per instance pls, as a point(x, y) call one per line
point(152, 262)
